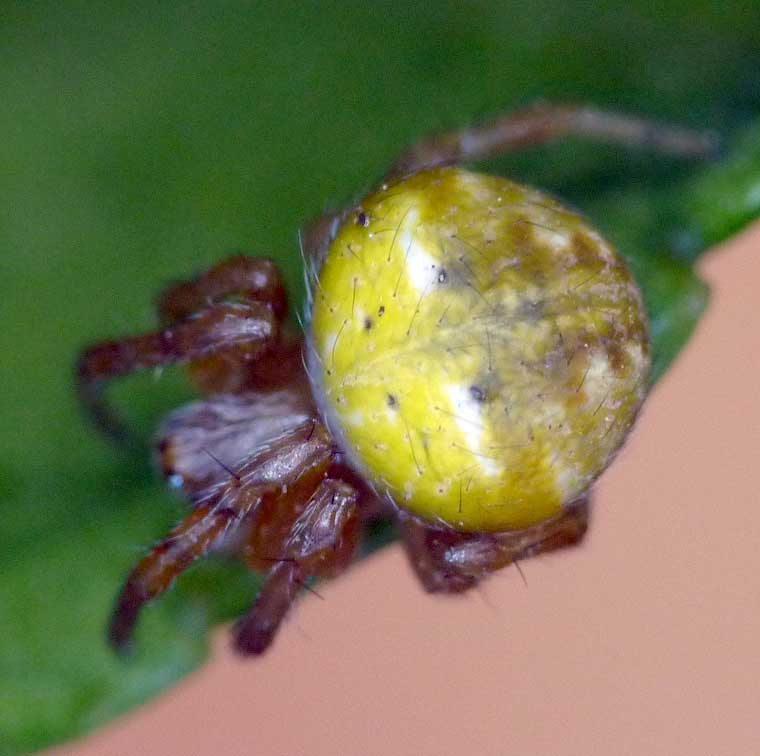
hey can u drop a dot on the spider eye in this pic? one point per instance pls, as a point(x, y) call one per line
point(506, 355)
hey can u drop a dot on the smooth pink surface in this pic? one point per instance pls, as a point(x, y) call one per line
point(644, 641)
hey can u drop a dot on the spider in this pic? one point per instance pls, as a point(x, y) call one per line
point(474, 355)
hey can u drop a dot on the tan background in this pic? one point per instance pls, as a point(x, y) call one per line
point(642, 642)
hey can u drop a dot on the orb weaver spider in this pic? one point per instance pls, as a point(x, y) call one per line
point(475, 354)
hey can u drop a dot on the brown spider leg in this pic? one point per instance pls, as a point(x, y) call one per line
point(241, 279)
point(245, 329)
point(449, 562)
point(426, 548)
point(249, 279)
point(196, 443)
point(321, 543)
point(198, 324)
point(544, 122)
point(287, 470)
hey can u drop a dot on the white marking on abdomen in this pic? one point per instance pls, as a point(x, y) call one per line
point(468, 413)
point(421, 266)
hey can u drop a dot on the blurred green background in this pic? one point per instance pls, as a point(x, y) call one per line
point(141, 142)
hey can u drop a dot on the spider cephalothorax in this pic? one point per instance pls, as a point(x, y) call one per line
point(476, 354)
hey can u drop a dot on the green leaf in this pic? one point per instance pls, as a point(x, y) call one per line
point(720, 202)
point(141, 142)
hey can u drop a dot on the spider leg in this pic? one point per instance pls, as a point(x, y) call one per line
point(288, 466)
point(248, 279)
point(426, 548)
point(544, 122)
point(321, 543)
point(231, 313)
point(240, 279)
point(449, 562)
point(247, 329)
point(196, 442)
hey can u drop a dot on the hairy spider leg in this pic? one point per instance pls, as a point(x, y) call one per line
point(289, 465)
point(242, 279)
point(232, 312)
point(199, 444)
point(544, 122)
point(449, 562)
point(320, 543)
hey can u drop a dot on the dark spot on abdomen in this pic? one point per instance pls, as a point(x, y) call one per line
point(478, 393)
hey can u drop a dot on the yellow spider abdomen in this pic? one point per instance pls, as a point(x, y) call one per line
point(479, 350)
